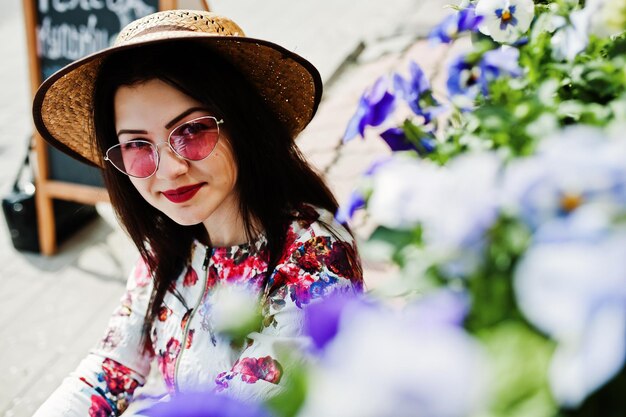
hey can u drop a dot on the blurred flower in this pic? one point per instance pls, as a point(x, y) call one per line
point(356, 200)
point(346, 211)
point(602, 18)
point(397, 141)
point(375, 105)
point(403, 363)
point(505, 20)
point(454, 205)
point(204, 404)
point(574, 290)
point(608, 17)
point(571, 37)
point(322, 318)
point(442, 307)
point(454, 25)
point(503, 61)
point(416, 91)
point(402, 189)
point(235, 311)
point(550, 184)
point(467, 205)
point(463, 79)
point(469, 78)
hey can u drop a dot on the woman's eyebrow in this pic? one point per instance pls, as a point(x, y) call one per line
point(168, 125)
point(132, 132)
point(187, 112)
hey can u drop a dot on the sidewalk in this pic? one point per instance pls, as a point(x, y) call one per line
point(54, 309)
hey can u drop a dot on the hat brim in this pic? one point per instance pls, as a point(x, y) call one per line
point(63, 105)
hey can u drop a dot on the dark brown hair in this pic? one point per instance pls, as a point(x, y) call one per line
point(274, 179)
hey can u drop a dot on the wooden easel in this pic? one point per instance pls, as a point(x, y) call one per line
point(48, 189)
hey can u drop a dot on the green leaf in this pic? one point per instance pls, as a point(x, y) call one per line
point(290, 400)
point(520, 358)
point(395, 240)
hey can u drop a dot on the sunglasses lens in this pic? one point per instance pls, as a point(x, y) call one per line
point(135, 158)
point(196, 139)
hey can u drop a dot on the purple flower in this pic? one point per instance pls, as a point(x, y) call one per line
point(397, 141)
point(499, 62)
point(468, 77)
point(416, 92)
point(357, 197)
point(463, 77)
point(204, 404)
point(454, 25)
point(376, 165)
point(321, 321)
point(441, 308)
point(375, 105)
point(355, 202)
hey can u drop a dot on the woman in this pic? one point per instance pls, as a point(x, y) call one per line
point(193, 125)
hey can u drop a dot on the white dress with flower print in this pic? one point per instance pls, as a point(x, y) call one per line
point(319, 258)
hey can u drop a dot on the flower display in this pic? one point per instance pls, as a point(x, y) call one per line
point(513, 200)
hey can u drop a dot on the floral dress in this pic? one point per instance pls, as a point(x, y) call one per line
point(319, 258)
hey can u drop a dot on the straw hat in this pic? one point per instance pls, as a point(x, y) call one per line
point(289, 84)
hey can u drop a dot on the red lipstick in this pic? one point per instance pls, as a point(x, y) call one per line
point(182, 194)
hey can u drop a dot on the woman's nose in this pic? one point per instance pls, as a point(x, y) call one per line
point(170, 164)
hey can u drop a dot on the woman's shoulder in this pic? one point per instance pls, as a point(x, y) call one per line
point(319, 256)
point(310, 221)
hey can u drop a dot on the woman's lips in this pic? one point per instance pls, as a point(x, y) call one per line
point(182, 194)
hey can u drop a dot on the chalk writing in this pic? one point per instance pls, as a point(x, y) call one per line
point(70, 41)
point(117, 6)
point(71, 29)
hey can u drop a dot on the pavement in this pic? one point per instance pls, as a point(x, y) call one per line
point(53, 309)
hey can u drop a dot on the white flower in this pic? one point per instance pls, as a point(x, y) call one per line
point(454, 204)
point(608, 17)
point(467, 204)
point(573, 288)
point(505, 20)
point(571, 38)
point(602, 18)
point(235, 310)
point(388, 364)
point(403, 192)
point(576, 167)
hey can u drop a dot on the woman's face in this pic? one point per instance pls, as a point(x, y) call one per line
point(188, 192)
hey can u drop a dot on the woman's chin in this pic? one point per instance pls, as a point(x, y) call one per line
point(185, 220)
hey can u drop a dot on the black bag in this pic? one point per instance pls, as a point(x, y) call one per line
point(20, 214)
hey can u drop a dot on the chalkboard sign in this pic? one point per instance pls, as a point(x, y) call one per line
point(68, 30)
point(71, 29)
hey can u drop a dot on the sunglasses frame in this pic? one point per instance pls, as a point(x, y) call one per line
point(156, 146)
